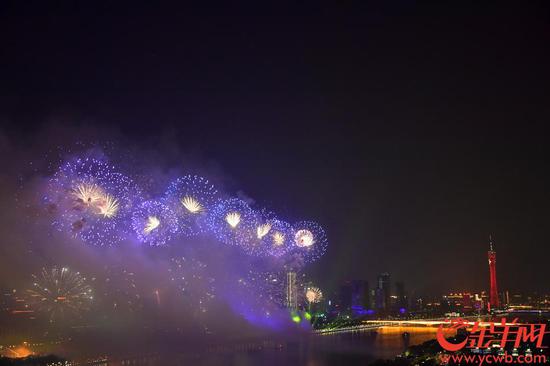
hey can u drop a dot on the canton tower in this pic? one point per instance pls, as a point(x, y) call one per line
point(493, 294)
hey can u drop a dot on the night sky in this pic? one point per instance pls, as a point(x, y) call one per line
point(410, 132)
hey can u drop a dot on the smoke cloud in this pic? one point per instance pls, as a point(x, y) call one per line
point(195, 292)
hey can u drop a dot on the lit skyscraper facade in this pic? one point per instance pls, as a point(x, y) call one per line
point(291, 291)
point(383, 291)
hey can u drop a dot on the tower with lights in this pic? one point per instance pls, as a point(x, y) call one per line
point(493, 294)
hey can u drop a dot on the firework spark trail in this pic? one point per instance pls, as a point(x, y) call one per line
point(154, 223)
point(60, 292)
point(280, 241)
point(304, 238)
point(192, 205)
point(262, 230)
point(87, 194)
point(310, 240)
point(92, 201)
point(119, 289)
point(232, 222)
point(191, 197)
point(95, 203)
point(194, 282)
point(313, 294)
point(274, 237)
point(278, 238)
point(259, 296)
point(107, 206)
point(233, 218)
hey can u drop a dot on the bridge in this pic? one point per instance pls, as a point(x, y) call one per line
point(367, 325)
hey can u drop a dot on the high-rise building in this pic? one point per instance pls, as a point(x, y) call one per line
point(353, 298)
point(291, 291)
point(383, 291)
point(416, 302)
point(372, 299)
point(493, 293)
point(402, 300)
point(345, 297)
point(460, 301)
point(359, 296)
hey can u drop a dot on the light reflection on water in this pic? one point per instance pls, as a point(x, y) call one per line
point(384, 343)
point(390, 340)
point(358, 348)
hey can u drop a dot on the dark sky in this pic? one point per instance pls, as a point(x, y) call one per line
point(410, 132)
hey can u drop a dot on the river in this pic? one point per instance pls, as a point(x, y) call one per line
point(358, 348)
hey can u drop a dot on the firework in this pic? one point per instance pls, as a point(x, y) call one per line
point(233, 222)
point(276, 236)
point(262, 230)
point(191, 197)
point(192, 205)
point(304, 238)
point(266, 236)
point(260, 233)
point(86, 193)
point(154, 223)
point(233, 218)
point(92, 201)
point(269, 286)
point(310, 241)
point(107, 206)
point(194, 284)
point(313, 295)
point(258, 297)
point(118, 289)
point(60, 292)
point(151, 224)
point(281, 238)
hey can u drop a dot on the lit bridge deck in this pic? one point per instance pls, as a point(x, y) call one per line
point(375, 324)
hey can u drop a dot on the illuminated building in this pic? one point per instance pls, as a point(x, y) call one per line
point(354, 298)
point(359, 295)
point(383, 292)
point(372, 299)
point(401, 297)
point(460, 301)
point(517, 299)
point(345, 297)
point(291, 291)
point(506, 298)
point(493, 293)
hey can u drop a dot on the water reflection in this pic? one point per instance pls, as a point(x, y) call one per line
point(383, 343)
point(358, 348)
